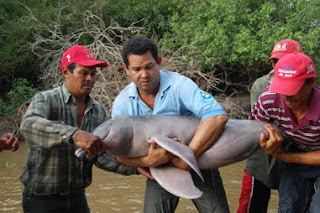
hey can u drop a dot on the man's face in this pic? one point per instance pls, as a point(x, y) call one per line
point(300, 99)
point(144, 72)
point(81, 81)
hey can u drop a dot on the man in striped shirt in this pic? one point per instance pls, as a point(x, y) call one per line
point(263, 171)
point(57, 122)
point(292, 103)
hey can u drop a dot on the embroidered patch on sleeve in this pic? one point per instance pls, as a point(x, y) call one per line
point(205, 95)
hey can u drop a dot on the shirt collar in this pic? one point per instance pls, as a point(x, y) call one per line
point(165, 82)
point(67, 96)
point(270, 76)
point(65, 93)
point(313, 110)
point(132, 90)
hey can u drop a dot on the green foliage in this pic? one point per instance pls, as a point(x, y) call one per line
point(242, 33)
point(154, 14)
point(16, 59)
point(20, 21)
point(233, 37)
point(23, 23)
point(21, 92)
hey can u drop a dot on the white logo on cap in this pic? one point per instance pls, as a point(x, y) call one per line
point(88, 53)
point(280, 47)
point(310, 68)
point(287, 72)
point(69, 58)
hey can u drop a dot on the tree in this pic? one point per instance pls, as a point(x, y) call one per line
point(237, 36)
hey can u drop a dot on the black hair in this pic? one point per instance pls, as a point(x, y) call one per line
point(274, 60)
point(139, 45)
point(71, 67)
point(308, 81)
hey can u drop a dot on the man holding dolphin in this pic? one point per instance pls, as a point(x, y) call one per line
point(263, 171)
point(57, 122)
point(292, 103)
point(155, 91)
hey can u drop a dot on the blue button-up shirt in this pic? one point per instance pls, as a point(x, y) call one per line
point(177, 95)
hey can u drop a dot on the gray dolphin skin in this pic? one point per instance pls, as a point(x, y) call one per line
point(128, 136)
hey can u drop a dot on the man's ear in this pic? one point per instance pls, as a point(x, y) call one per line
point(314, 81)
point(124, 66)
point(65, 71)
point(159, 60)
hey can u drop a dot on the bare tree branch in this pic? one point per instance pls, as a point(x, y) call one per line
point(107, 41)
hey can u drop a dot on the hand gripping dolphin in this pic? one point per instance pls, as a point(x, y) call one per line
point(129, 135)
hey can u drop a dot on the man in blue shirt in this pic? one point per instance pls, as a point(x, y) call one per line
point(155, 91)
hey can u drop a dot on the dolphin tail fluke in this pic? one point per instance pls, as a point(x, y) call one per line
point(180, 150)
point(176, 181)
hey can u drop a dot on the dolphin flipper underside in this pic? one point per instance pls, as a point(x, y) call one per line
point(177, 181)
point(180, 150)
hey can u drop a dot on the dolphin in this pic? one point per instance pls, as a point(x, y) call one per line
point(128, 136)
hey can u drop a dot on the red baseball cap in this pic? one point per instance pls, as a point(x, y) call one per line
point(291, 71)
point(81, 55)
point(284, 47)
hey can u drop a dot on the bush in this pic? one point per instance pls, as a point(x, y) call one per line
point(236, 37)
point(21, 92)
point(16, 59)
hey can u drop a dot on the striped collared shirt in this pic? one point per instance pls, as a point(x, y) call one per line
point(305, 135)
point(47, 126)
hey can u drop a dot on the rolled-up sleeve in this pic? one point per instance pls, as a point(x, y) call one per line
point(107, 162)
point(39, 131)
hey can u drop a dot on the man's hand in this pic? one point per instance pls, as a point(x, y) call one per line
point(88, 141)
point(274, 145)
point(177, 162)
point(157, 155)
point(145, 172)
point(9, 142)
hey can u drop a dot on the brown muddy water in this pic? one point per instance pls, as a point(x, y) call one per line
point(110, 192)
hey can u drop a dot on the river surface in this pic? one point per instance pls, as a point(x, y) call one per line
point(111, 192)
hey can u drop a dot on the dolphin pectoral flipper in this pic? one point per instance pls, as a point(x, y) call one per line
point(180, 150)
point(176, 181)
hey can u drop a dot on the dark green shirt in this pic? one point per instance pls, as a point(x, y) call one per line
point(258, 85)
point(47, 126)
point(260, 165)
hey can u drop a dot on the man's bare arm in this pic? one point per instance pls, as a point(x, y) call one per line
point(206, 134)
